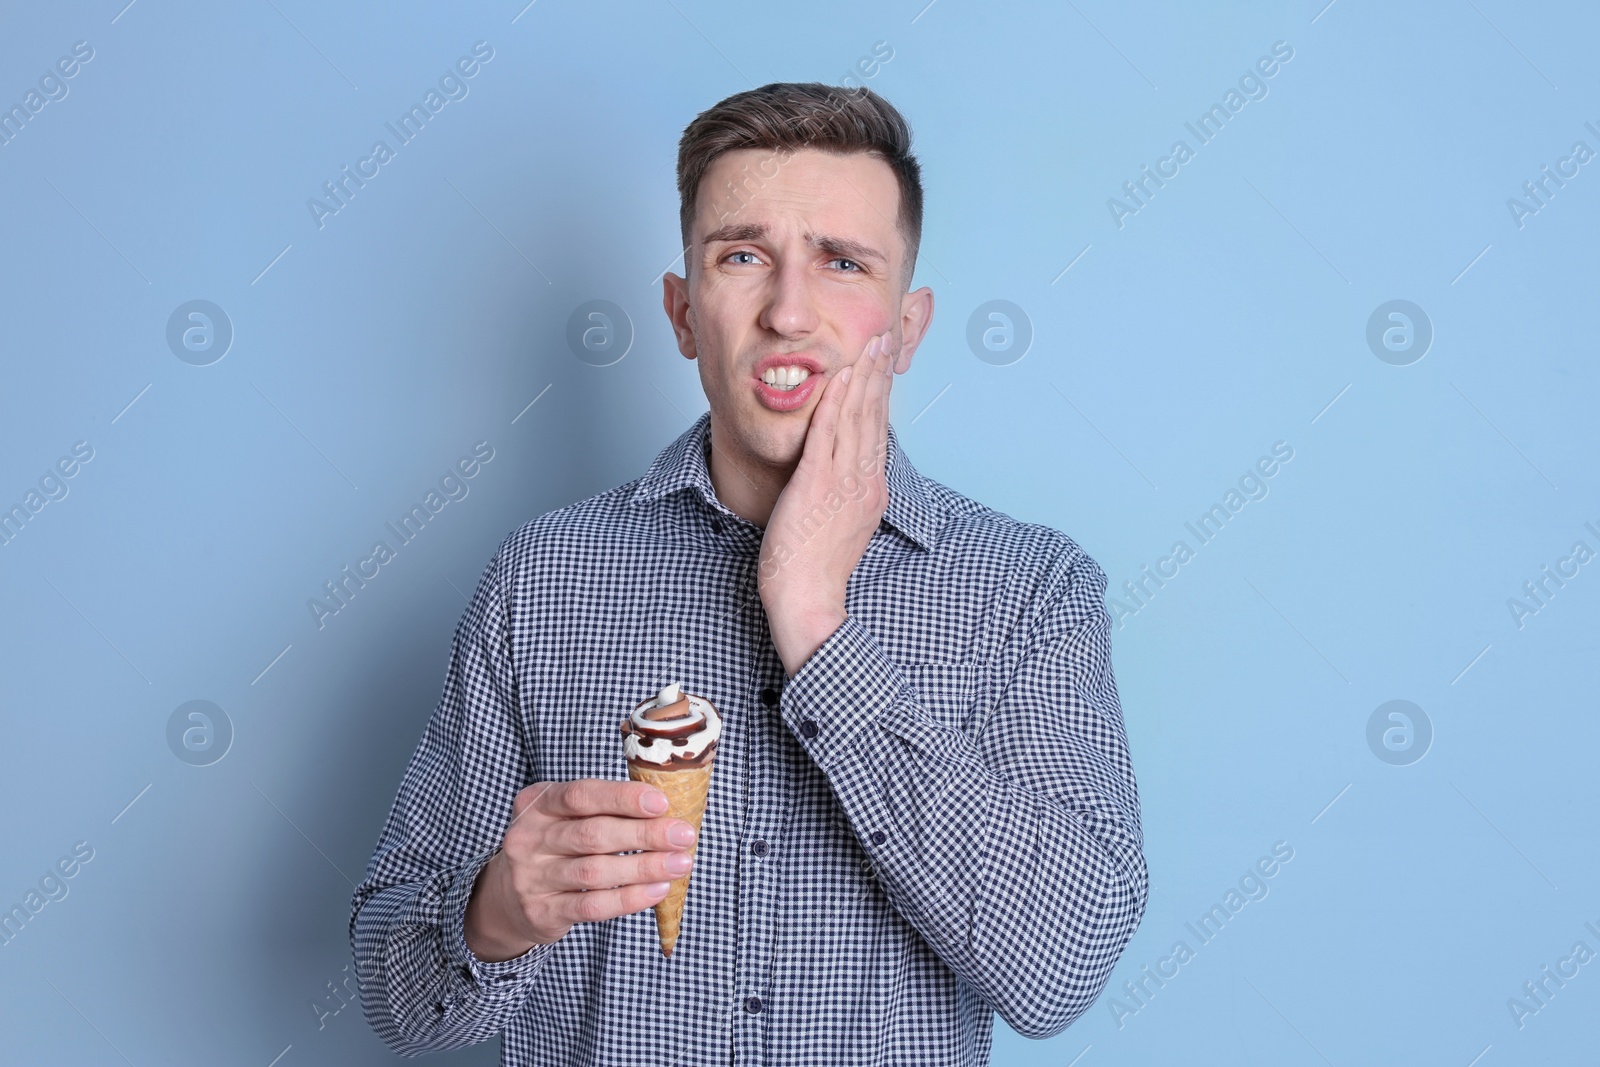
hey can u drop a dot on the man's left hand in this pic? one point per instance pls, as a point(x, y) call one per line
point(830, 508)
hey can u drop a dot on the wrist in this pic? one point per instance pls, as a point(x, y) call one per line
point(487, 927)
point(800, 633)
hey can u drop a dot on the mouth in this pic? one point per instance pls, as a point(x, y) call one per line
point(785, 383)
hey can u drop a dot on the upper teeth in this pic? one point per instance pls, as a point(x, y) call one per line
point(785, 377)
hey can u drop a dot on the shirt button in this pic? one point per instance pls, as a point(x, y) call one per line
point(879, 837)
point(716, 526)
point(769, 697)
point(759, 847)
point(809, 728)
point(752, 1005)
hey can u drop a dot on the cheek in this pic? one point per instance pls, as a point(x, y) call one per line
point(857, 325)
point(724, 330)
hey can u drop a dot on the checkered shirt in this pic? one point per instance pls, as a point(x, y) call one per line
point(934, 820)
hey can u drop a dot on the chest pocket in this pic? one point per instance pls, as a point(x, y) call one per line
point(953, 694)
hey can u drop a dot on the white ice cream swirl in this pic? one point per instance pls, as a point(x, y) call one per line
point(644, 742)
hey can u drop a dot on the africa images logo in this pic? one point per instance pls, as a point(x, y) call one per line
point(453, 486)
point(452, 87)
point(1205, 128)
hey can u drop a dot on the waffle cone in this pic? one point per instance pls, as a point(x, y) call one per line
point(686, 791)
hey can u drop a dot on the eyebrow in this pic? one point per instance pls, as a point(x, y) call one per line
point(757, 231)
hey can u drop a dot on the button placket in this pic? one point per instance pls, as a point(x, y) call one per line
point(768, 696)
point(767, 771)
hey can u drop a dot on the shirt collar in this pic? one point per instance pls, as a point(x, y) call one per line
point(912, 509)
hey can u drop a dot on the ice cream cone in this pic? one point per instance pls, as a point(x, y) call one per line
point(686, 792)
point(671, 741)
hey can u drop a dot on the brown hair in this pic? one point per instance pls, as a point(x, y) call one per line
point(787, 116)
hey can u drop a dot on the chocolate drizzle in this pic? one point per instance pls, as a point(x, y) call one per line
point(675, 723)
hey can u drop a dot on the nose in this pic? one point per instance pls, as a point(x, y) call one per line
point(791, 307)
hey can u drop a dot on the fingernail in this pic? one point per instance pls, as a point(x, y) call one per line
point(654, 803)
point(682, 834)
point(679, 863)
point(844, 375)
point(657, 889)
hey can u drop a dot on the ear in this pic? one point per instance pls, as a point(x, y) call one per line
point(675, 299)
point(916, 315)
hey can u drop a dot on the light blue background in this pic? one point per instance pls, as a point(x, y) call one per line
point(1226, 315)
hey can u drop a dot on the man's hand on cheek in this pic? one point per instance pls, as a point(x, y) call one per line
point(831, 507)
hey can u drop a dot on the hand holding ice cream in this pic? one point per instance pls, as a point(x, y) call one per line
point(558, 863)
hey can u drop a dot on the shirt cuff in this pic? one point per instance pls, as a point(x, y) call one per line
point(508, 976)
point(848, 682)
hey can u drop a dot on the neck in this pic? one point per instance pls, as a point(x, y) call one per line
point(746, 487)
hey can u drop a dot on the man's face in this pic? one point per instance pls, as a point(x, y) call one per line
point(789, 280)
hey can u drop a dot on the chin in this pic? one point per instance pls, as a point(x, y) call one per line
point(770, 438)
point(781, 447)
point(776, 440)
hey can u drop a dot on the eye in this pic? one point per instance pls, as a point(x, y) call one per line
point(853, 263)
point(743, 252)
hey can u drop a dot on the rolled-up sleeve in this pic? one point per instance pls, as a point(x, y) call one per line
point(421, 987)
point(1017, 853)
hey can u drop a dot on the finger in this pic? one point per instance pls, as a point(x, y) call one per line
point(848, 435)
point(606, 833)
point(608, 872)
point(875, 431)
point(601, 904)
point(879, 391)
point(818, 448)
point(598, 796)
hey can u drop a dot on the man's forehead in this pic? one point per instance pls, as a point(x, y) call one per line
point(841, 176)
point(830, 199)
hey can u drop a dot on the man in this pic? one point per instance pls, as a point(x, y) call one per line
point(922, 810)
